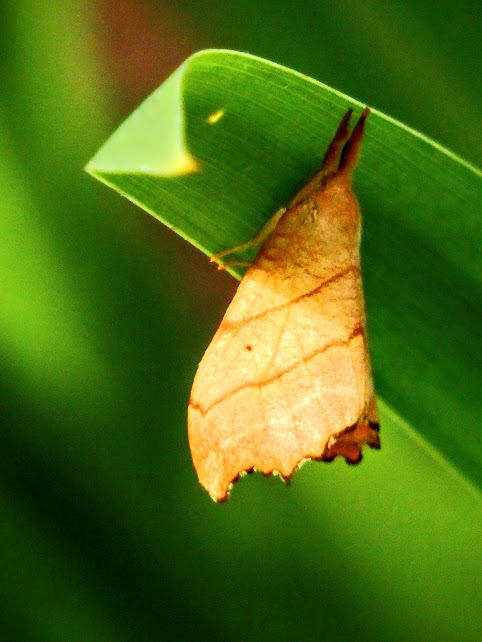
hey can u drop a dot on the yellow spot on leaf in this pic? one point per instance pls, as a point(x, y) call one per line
point(215, 116)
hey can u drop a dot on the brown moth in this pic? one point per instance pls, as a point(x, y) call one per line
point(287, 376)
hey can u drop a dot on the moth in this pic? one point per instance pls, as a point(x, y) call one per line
point(287, 376)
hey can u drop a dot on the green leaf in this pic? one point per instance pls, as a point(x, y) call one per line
point(229, 138)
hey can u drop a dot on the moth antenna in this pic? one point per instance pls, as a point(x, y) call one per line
point(351, 150)
point(332, 157)
point(331, 161)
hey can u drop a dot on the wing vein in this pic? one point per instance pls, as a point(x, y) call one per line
point(357, 331)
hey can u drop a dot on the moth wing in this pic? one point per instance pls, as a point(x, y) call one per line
point(284, 375)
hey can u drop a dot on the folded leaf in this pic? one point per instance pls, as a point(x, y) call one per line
point(228, 139)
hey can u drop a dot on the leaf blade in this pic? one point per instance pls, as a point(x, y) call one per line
point(421, 258)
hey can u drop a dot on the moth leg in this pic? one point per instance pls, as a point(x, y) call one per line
point(256, 241)
point(233, 263)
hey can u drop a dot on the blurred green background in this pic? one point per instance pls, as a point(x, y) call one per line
point(105, 531)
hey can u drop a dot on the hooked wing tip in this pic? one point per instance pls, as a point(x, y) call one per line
point(349, 442)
